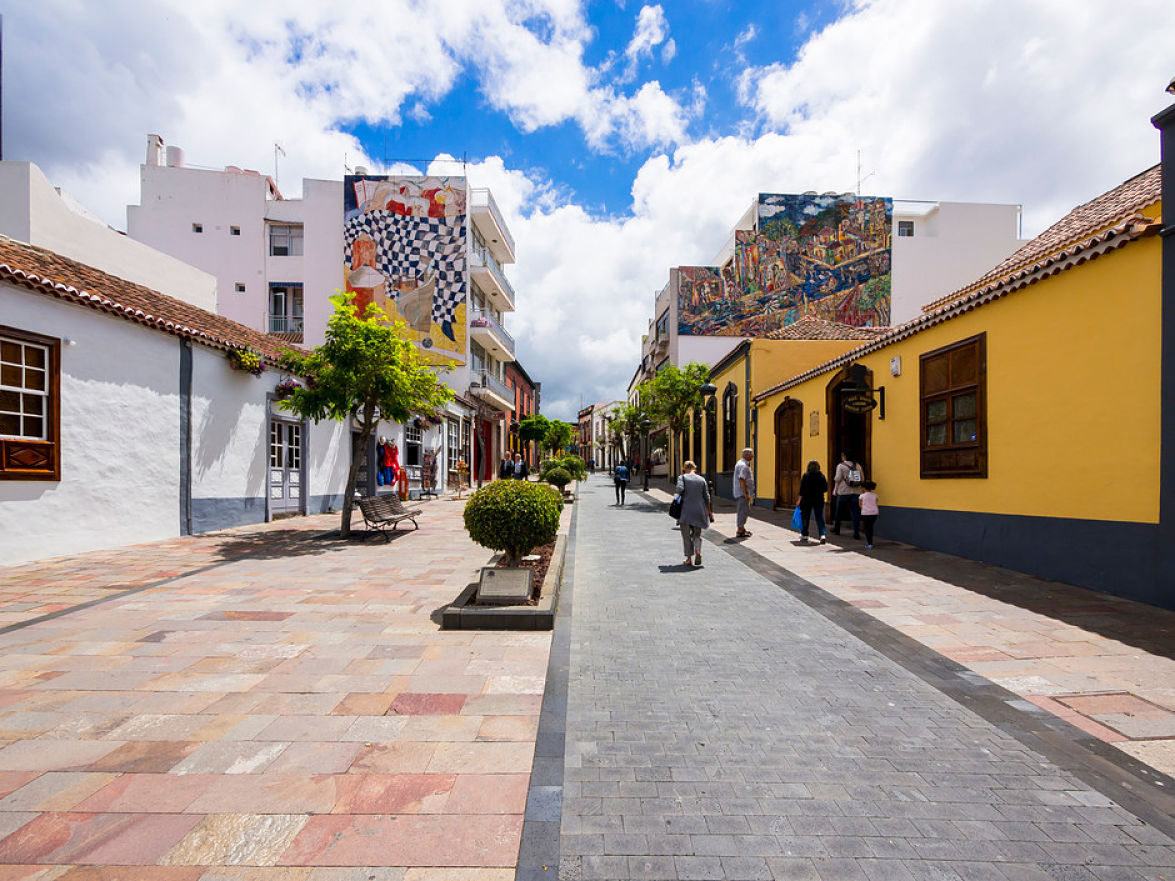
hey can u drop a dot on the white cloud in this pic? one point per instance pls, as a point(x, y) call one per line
point(652, 28)
point(1044, 104)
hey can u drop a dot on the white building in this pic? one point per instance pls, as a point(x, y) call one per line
point(278, 260)
point(938, 247)
point(122, 420)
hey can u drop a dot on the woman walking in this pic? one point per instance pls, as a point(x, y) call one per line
point(696, 513)
point(813, 486)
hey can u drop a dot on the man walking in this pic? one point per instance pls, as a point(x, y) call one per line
point(744, 491)
point(519, 471)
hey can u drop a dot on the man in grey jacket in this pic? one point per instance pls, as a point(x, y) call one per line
point(744, 491)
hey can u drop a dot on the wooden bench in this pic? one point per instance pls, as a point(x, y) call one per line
point(381, 512)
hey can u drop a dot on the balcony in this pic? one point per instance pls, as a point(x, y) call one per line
point(288, 327)
point(488, 274)
point(491, 336)
point(493, 391)
point(486, 215)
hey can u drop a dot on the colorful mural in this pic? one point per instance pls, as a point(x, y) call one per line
point(826, 256)
point(405, 251)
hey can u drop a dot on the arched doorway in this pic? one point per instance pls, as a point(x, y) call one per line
point(789, 422)
point(849, 432)
point(697, 432)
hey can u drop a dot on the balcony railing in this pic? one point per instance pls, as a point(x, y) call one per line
point(495, 385)
point(482, 198)
point(483, 257)
point(285, 324)
point(485, 319)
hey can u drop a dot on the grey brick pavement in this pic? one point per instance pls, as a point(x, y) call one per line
point(718, 728)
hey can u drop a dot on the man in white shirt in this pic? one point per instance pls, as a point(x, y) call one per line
point(744, 491)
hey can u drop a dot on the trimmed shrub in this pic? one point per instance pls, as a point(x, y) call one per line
point(513, 516)
point(574, 466)
point(558, 478)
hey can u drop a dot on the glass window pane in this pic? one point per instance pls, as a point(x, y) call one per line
point(34, 426)
point(10, 375)
point(10, 401)
point(34, 356)
point(964, 406)
point(9, 424)
point(34, 404)
point(936, 435)
point(34, 379)
point(964, 431)
point(10, 352)
point(936, 411)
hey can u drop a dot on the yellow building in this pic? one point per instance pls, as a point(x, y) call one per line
point(1017, 421)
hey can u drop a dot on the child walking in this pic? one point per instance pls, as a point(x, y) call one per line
point(869, 510)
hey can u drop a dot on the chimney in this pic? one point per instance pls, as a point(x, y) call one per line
point(154, 150)
point(175, 157)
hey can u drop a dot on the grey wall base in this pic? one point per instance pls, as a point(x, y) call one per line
point(325, 503)
point(208, 515)
point(1112, 557)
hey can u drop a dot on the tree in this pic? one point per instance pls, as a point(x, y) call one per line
point(367, 370)
point(534, 428)
point(626, 427)
point(673, 393)
point(559, 435)
point(513, 516)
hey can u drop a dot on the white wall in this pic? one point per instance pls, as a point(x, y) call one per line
point(32, 211)
point(322, 267)
point(172, 199)
point(954, 243)
point(120, 417)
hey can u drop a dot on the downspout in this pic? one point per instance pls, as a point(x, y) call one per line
point(1165, 564)
point(185, 475)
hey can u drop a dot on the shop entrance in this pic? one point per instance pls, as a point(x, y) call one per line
point(789, 422)
point(285, 468)
point(849, 432)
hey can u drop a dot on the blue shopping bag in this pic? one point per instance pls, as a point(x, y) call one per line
point(797, 520)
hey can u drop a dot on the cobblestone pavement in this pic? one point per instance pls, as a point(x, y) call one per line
point(1104, 664)
point(719, 727)
point(263, 705)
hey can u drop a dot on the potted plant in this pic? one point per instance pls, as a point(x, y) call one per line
point(513, 516)
point(285, 388)
point(247, 360)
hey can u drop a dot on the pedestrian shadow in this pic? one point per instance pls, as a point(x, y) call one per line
point(677, 567)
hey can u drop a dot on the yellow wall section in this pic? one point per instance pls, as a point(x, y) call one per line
point(1072, 400)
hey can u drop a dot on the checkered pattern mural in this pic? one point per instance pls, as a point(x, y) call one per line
point(414, 248)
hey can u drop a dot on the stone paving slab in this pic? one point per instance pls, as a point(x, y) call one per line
point(264, 704)
point(1046, 641)
point(718, 727)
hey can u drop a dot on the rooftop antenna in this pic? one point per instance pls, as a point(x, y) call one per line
point(861, 180)
point(277, 148)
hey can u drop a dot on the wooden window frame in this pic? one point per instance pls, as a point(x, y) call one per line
point(730, 427)
point(25, 459)
point(952, 459)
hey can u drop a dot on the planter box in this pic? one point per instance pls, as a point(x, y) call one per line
point(462, 614)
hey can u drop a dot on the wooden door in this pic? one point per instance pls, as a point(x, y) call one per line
point(789, 421)
point(285, 467)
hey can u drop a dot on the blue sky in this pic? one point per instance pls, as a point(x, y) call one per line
point(619, 138)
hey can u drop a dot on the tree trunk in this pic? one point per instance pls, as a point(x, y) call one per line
point(358, 453)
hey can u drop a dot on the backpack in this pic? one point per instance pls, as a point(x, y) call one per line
point(853, 478)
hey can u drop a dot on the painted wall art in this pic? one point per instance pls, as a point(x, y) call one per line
point(405, 251)
point(826, 256)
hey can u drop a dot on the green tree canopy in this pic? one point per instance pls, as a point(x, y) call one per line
point(534, 428)
point(673, 393)
point(366, 369)
point(559, 435)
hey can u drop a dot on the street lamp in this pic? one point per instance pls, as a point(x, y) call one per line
point(645, 423)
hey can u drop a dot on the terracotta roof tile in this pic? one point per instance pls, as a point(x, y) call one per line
point(45, 271)
point(812, 328)
point(1123, 203)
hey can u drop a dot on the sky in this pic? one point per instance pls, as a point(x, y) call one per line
point(619, 138)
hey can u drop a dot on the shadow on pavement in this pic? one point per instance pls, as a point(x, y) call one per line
point(280, 543)
point(1145, 627)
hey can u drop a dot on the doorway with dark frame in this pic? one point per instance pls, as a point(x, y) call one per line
point(849, 431)
point(789, 423)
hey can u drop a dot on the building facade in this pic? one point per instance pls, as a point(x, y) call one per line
point(429, 250)
point(527, 399)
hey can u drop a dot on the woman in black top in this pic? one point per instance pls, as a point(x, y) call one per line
point(813, 486)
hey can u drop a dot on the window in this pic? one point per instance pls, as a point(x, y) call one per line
point(412, 442)
point(234, 230)
point(905, 228)
point(453, 441)
point(240, 286)
point(953, 386)
point(197, 227)
point(285, 240)
point(29, 406)
point(663, 325)
point(285, 307)
point(729, 426)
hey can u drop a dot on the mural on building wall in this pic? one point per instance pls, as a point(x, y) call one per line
point(826, 256)
point(405, 251)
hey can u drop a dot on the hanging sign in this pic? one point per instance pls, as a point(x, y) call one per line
point(859, 401)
